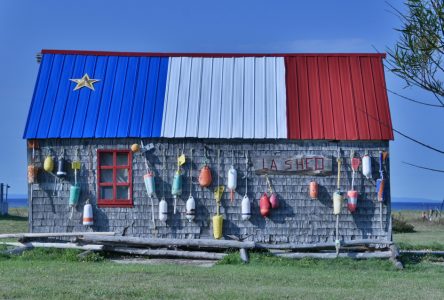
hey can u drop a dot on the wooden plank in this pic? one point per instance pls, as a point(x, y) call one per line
point(322, 245)
point(53, 234)
point(156, 242)
point(332, 255)
point(316, 165)
point(168, 253)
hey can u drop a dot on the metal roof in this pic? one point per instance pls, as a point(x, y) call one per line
point(296, 96)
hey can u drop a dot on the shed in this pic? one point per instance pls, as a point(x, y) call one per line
point(291, 115)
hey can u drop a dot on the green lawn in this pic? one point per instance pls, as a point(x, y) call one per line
point(60, 274)
point(427, 235)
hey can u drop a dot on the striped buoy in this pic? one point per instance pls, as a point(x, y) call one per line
point(32, 173)
point(352, 201)
point(88, 214)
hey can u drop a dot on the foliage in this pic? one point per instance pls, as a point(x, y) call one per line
point(418, 55)
point(400, 225)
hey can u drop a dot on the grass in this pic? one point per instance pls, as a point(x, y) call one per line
point(56, 274)
point(427, 235)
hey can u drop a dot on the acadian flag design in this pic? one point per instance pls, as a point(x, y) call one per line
point(84, 94)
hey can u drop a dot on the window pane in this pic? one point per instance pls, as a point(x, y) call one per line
point(106, 192)
point(122, 192)
point(106, 176)
point(122, 175)
point(106, 159)
point(122, 159)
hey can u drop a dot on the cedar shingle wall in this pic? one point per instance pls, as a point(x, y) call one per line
point(298, 219)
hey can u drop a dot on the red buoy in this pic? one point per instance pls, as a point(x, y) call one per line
point(274, 201)
point(265, 205)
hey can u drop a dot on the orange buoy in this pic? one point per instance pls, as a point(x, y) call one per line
point(314, 190)
point(205, 178)
point(32, 173)
point(265, 205)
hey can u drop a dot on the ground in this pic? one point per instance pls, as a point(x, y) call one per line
point(60, 274)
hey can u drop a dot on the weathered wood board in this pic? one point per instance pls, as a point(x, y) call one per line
point(316, 165)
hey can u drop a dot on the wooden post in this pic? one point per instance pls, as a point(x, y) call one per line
point(167, 253)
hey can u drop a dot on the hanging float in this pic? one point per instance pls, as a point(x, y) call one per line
point(232, 179)
point(176, 187)
point(274, 201)
point(205, 177)
point(32, 168)
point(190, 206)
point(264, 205)
point(218, 192)
point(367, 166)
point(352, 195)
point(163, 205)
point(88, 219)
point(313, 190)
point(245, 205)
point(337, 202)
point(380, 184)
point(74, 191)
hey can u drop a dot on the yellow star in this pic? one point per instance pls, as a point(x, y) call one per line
point(85, 81)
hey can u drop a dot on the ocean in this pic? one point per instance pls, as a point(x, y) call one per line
point(23, 202)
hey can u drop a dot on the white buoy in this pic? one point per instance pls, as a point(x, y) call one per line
point(191, 209)
point(88, 214)
point(148, 178)
point(232, 181)
point(246, 208)
point(163, 210)
point(367, 166)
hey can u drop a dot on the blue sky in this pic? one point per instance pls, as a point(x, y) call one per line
point(26, 27)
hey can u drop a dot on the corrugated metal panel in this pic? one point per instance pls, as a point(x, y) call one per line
point(225, 98)
point(337, 97)
point(127, 101)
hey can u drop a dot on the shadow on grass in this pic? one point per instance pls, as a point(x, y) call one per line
point(13, 218)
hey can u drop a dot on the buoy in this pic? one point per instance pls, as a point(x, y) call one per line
point(337, 202)
point(32, 173)
point(176, 187)
point(313, 190)
point(48, 164)
point(190, 206)
point(367, 166)
point(88, 214)
point(205, 177)
point(274, 201)
point(217, 226)
point(245, 205)
point(264, 205)
point(163, 210)
point(352, 201)
point(148, 178)
point(74, 194)
point(191, 209)
point(246, 208)
point(380, 184)
point(61, 172)
point(232, 181)
point(135, 147)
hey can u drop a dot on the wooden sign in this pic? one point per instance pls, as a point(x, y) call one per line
point(297, 165)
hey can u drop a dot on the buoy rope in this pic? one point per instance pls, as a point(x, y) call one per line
point(246, 172)
point(191, 171)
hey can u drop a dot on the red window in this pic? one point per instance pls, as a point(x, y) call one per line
point(114, 178)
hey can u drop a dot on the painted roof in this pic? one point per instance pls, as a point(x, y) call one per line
point(273, 96)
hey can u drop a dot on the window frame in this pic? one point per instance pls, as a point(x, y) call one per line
point(114, 202)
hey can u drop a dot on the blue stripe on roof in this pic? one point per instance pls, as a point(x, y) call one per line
point(127, 101)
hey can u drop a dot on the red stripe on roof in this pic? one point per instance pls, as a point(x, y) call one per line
point(194, 54)
point(337, 98)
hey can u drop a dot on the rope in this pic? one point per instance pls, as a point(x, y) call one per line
point(246, 172)
point(352, 155)
point(191, 171)
point(163, 173)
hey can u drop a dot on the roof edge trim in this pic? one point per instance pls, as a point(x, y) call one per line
point(193, 54)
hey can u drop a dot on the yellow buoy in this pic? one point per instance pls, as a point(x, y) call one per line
point(217, 226)
point(135, 147)
point(48, 164)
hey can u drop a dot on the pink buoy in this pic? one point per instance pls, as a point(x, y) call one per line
point(274, 201)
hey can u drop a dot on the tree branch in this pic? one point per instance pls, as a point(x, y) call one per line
point(413, 100)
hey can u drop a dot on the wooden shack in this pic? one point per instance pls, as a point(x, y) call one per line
point(281, 120)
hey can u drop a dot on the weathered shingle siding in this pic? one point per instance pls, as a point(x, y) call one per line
point(298, 219)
